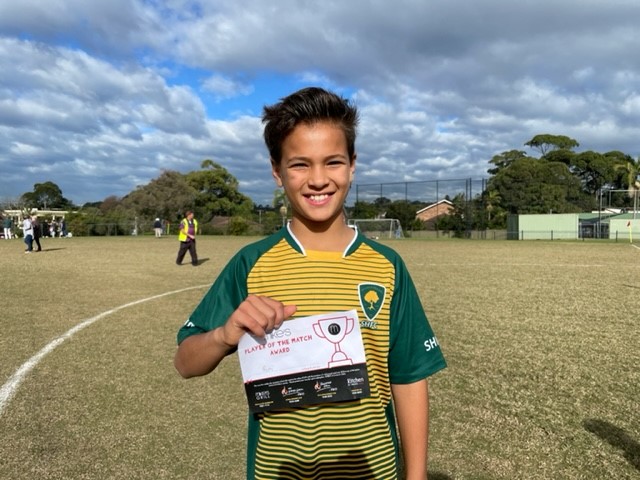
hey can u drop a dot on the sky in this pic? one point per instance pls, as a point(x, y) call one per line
point(100, 97)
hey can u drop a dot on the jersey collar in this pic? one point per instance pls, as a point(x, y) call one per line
point(295, 243)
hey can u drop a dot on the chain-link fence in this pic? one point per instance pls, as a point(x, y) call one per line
point(427, 191)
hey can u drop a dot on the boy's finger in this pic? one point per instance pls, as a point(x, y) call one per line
point(289, 310)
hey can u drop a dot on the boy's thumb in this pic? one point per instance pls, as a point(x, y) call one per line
point(289, 310)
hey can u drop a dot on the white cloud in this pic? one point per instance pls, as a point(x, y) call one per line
point(223, 87)
point(101, 96)
point(18, 148)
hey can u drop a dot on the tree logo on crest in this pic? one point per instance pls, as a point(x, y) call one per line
point(371, 297)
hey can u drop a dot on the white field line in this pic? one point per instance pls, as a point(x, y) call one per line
point(9, 388)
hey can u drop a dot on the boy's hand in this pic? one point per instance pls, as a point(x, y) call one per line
point(257, 315)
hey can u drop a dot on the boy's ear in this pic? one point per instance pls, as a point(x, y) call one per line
point(275, 171)
point(352, 168)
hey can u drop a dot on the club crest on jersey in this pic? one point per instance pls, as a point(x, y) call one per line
point(371, 297)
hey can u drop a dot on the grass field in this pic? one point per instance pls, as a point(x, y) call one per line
point(542, 341)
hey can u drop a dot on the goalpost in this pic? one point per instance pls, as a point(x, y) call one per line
point(378, 227)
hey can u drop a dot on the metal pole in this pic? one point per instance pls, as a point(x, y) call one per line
point(598, 233)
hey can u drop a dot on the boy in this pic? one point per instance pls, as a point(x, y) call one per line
point(315, 265)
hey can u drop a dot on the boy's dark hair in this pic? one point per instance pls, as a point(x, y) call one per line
point(309, 105)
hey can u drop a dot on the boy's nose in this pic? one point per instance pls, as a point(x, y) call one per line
point(318, 177)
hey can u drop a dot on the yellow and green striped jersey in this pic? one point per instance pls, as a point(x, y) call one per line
point(353, 439)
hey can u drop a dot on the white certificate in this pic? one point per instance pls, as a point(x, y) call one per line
point(307, 360)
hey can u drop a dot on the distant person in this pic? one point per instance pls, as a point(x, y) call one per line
point(63, 228)
point(37, 233)
point(44, 228)
point(187, 237)
point(52, 229)
point(317, 264)
point(27, 230)
point(7, 223)
point(157, 227)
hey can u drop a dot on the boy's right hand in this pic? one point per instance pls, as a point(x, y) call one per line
point(256, 315)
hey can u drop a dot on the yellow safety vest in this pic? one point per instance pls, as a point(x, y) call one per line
point(184, 228)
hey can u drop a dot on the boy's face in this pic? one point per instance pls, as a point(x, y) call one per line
point(316, 172)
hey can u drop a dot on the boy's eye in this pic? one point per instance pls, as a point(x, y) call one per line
point(336, 162)
point(298, 165)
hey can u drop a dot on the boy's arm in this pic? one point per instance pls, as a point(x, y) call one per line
point(200, 354)
point(411, 402)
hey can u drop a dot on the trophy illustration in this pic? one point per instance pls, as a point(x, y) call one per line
point(334, 329)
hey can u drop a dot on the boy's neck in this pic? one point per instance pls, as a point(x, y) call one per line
point(334, 237)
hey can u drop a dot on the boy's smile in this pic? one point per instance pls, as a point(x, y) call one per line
point(316, 172)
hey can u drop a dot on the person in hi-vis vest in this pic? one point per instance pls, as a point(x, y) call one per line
point(187, 237)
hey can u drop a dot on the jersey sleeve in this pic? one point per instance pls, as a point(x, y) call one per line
point(223, 298)
point(414, 349)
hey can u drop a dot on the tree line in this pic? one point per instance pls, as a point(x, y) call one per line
point(209, 192)
point(558, 180)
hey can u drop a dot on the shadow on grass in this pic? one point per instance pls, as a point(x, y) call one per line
point(200, 262)
point(438, 476)
point(44, 250)
point(616, 437)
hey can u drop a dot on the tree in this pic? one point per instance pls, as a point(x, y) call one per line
point(271, 221)
point(492, 202)
point(217, 192)
point(238, 226)
point(546, 142)
point(630, 171)
point(456, 220)
point(363, 209)
point(10, 203)
point(594, 170)
point(560, 155)
point(45, 195)
point(505, 159)
point(167, 196)
point(536, 186)
point(371, 297)
point(561, 180)
point(403, 211)
point(381, 204)
point(109, 203)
